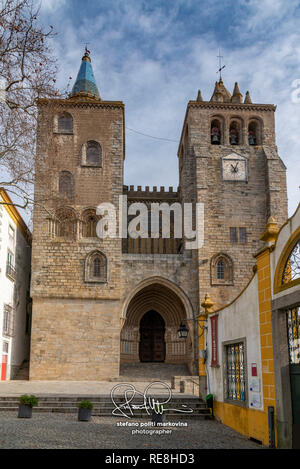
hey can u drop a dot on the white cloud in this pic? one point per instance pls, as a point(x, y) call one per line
point(51, 6)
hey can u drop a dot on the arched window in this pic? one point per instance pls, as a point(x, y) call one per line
point(291, 271)
point(89, 223)
point(96, 267)
point(215, 132)
point(64, 123)
point(235, 133)
point(66, 184)
point(221, 270)
point(254, 132)
point(66, 223)
point(287, 273)
point(91, 154)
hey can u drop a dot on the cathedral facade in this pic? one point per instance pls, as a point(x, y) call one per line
point(100, 303)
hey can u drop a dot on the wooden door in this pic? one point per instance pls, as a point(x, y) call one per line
point(152, 338)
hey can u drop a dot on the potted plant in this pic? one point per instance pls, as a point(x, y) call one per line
point(85, 410)
point(157, 413)
point(25, 406)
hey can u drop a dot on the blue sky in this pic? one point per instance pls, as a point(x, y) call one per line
point(154, 55)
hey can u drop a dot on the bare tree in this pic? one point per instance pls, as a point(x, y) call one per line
point(27, 72)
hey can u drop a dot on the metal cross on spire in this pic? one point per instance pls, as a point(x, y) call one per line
point(220, 57)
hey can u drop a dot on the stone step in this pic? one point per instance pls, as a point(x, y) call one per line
point(152, 371)
point(102, 399)
point(146, 377)
point(23, 372)
point(199, 413)
point(102, 404)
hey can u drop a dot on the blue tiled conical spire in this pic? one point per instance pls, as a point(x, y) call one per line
point(85, 84)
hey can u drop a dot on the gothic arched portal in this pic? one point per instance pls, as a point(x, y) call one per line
point(152, 315)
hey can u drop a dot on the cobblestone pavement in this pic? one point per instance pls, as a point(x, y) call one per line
point(50, 430)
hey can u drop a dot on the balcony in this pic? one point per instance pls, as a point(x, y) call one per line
point(10, 272)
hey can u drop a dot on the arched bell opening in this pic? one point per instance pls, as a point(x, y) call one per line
point(215, 132)
point(235, 133)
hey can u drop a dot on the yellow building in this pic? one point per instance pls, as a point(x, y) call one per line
point(253, 345)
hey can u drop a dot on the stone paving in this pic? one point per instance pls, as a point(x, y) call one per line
point(54, 431)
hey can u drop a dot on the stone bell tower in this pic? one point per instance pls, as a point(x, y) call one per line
point(76, 276)
point(228, 160)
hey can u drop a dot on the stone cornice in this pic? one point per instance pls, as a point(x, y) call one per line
point(83, 103)
point(232, 106)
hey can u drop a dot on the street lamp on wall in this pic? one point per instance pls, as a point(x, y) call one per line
point(183, 331)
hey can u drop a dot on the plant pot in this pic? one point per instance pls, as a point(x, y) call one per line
point(25, 411)
point(84, 415)
point(157, 418)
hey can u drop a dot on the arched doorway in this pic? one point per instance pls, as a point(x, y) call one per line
point(160, 305)
point(152, 347)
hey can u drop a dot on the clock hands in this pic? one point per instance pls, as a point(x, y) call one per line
point(234, 168)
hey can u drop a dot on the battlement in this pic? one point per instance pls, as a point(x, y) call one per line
point(139, 192)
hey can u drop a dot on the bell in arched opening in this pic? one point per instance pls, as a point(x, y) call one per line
point(234, 134)
point(253, 133)
point(215, 133)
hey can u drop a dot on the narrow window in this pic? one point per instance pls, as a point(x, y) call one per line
point(10, 259)
point(220, 270)
point(293, 329)
point(236, 372)
point(8, 321)
point(243, 235)
point(66, 184)
point(97, 267)
point(5, 322)
point(11, 235)
point(5, 347)
point(10, 268)
point(91, 227)
point(233, 235)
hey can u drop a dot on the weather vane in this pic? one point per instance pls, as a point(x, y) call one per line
point(86, 48)
point(220, 57)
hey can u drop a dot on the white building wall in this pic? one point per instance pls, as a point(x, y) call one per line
point(239, 320)
point(13, 292)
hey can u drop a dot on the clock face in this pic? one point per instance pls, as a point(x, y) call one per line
point(234, 168)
